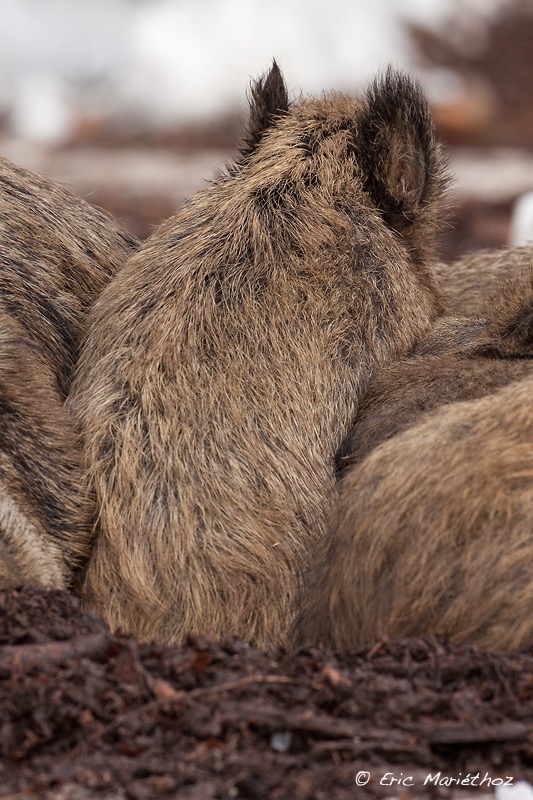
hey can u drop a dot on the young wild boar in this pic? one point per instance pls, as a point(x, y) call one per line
point(225, 362)
point(436, 509)
point(57, 253)
point(460, 359)
point(433, 533)
point(44, 517)
point(467, 283)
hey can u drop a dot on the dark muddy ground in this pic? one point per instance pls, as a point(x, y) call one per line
point(82, 709)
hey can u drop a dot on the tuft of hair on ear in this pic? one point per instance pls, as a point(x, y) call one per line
point(509, 315)
point(402, 165)
point(268, 99)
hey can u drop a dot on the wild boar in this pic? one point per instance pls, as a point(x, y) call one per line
point(56, 254)
point(45, 519)
point(225, 362)
point(433, 533)
point(460, 359)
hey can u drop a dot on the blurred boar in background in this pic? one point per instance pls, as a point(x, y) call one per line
point(225, 362)
point(56, 254)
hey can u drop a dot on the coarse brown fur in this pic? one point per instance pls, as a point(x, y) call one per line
point(56, 254)
point(460, 359)
point(433, 533)
point(44, 519)
point(225, 362)
point(467, 283)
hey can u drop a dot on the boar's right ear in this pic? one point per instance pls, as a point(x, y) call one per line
point(401, 161)
point(269, 99)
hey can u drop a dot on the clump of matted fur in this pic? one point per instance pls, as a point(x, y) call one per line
point(225, 362)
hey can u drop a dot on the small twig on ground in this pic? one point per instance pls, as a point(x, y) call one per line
point(24, 657)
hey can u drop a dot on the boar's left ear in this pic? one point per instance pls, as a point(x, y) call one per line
point(269, 99)
point(399, 156)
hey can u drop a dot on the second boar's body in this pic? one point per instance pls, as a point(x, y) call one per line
point(225, 362)
point(45, 517)
point(56, 254)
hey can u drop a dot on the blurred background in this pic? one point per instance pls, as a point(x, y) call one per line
point(134, 104)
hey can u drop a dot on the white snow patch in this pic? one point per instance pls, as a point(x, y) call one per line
point(166, 61)
point(520, 791)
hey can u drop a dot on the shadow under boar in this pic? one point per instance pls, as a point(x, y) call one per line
point(57, 253)
point(460, 359)
point(224, 363)
point(433, 533)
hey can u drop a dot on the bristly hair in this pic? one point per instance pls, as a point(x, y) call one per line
point(268, 99)
point(509, 312)
point(400, 157)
